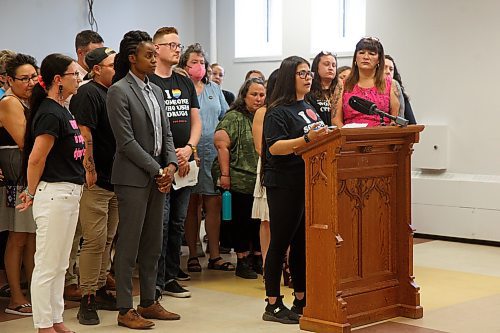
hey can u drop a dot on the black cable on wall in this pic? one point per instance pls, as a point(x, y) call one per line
point(91, 18)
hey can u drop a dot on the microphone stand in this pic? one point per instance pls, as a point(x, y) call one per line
point(398, 120)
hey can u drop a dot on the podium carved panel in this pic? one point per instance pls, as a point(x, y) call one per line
point(359, 241)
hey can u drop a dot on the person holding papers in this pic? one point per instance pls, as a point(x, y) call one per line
point(368, 81)
point(181, 104)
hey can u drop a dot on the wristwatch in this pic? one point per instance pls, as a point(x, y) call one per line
point(193, 148)
point(306, 138)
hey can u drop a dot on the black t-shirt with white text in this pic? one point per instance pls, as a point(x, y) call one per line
point(285, 122)
point(323, 108)
point(89, 108)
point(64, 162)
point(180, 96)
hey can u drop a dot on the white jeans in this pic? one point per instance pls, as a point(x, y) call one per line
point(55, 210)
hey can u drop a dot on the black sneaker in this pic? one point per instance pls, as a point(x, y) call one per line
point(243, 270)
point(182, 276)
point(257, 264)
point(279, 313)
point(105, 300)
point(87, 314)
point(298, 306)
point(172, 288)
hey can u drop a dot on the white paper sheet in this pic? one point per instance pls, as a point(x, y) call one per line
point(190, 179)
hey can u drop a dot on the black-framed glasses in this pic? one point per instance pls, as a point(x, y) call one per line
point(111, 65)
point(76, 74)
point(303, 74)
point(27, 79)
point(173, 46)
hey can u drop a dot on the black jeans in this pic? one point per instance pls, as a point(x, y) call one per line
point(174, 216)
point(287, 222)
point(245, 230)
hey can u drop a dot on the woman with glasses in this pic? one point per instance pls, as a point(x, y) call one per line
point(213, 106)
point(236, 168)
point(21, 71)
point(324, 82)
point(367, 80)
point(53, 152)
point(289, 123)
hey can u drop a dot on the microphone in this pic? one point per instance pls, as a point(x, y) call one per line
point(362, 105)
point(369, 108)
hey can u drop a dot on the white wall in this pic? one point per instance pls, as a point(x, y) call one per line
point(447, 52)
point(41, 27)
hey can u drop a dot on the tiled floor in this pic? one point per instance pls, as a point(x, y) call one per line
point(460, 293)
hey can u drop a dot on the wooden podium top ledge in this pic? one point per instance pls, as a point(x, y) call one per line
point(364, 133)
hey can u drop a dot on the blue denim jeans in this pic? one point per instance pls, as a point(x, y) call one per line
point(174, 216)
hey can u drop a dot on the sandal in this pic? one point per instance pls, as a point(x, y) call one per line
point(17, 310)
point(225, 266)
point(193, 265)
point(5, 291)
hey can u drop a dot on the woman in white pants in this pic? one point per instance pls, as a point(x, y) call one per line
point(54, 150)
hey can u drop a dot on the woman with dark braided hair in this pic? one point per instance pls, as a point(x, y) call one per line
point(142, 173)
point(53, 152)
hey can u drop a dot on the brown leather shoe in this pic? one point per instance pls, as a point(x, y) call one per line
point(134, 321)
point(156, 311)
point(72, 293)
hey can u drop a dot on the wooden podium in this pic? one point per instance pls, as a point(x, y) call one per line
point(359, 238)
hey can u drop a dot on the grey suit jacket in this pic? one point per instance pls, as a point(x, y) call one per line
point(132, 127)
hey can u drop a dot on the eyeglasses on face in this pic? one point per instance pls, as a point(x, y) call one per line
point(27, 79)
point(76, 74)
point(111, 65)
point(303, 74)
point(173, 46)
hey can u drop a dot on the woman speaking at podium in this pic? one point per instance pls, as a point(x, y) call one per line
point(290, 122)
point(367, 80)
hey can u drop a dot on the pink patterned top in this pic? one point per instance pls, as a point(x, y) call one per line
point(382, 100)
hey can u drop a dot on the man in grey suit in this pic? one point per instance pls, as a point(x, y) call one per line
point(143, 169)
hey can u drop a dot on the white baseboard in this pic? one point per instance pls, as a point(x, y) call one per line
point(456, 205)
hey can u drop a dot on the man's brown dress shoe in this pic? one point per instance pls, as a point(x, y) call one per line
point(72, 293)
point(156, 311)
point(134, 320)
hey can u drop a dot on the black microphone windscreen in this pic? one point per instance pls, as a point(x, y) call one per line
point(361, 105)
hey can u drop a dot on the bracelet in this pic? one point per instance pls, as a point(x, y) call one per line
point(225, 175)
point(31, 196)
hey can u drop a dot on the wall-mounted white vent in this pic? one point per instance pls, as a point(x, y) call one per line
point(432, 150)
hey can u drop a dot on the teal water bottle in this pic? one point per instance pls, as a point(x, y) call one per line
point(226, 206)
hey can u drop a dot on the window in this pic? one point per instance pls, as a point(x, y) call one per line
point(337, 25)
point(258, 28)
